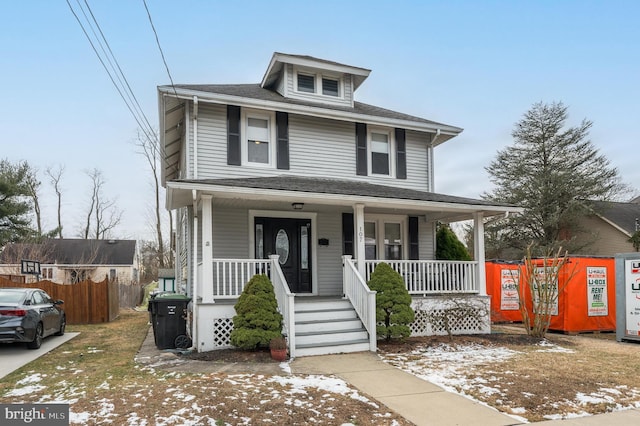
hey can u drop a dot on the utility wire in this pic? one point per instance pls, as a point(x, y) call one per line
point(129, 91)
point(137, 114)
point(160, 48)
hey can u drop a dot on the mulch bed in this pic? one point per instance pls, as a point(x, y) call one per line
point(232, 355)
point(393, 346)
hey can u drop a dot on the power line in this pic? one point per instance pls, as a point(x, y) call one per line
point(135, 99)
point(160, 48)
point(124, 89)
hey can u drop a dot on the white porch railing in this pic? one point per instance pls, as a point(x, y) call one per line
point(231, 275)
point(286, 302)
point(361, 297)
point(427, 277)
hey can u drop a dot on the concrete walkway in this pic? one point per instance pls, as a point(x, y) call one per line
point(416, 400)
point(424, 403)
point(15, 355)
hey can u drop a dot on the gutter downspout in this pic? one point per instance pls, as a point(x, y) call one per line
point(195, 138)
point(432, 186)
point(194, 274)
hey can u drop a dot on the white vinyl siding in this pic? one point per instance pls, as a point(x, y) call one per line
point(318, 147)
point(330, 257)
point(230, 233)
point(426, 240)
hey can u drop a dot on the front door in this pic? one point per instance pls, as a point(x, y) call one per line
point(290, 239)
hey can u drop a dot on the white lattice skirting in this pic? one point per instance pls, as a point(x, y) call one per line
point(434, 316)
point(441, 315)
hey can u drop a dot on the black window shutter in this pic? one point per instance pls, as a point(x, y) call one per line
point(401, 154)
point(361, 149)
point(282, 136)
point(233, 136)
point(413, 238)
point(347, 234)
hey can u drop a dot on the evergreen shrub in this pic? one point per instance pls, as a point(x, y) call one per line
point(257, 319)
point(393, 303)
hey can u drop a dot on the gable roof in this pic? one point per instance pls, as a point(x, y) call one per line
point(624, 216)
point(279, 59)
point(73, 252)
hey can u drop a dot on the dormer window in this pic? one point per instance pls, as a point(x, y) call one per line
point(330, 87)
point(307, 82)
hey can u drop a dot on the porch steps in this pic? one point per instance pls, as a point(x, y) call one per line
point(328, 326)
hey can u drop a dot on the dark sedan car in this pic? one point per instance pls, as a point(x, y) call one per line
point(29, 315)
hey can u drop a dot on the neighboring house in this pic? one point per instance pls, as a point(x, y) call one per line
point(67, 261)
point(610, 227)
point(294, 178)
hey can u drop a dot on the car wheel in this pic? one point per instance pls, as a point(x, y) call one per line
point(63, 325)
point(37, 340)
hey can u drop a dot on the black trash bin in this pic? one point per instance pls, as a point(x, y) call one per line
point(169, 320)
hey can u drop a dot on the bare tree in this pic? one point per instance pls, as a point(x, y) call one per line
point(55, 176)
point(149, 149)
point(102, 213)
point(32, 184)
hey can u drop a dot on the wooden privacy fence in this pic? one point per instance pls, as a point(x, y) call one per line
point(87, 302)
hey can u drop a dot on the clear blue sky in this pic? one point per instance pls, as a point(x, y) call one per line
point(474, 64)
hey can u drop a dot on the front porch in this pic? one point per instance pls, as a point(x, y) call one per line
point(317, 325)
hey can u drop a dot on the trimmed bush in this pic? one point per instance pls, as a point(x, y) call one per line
point(448, 246)
point(393, 303)
point(257, 320)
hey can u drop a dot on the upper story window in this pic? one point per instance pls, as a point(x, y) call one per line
point(319, 84)
point(306, 83)
point(259, 138)
point(330, 87)
point(380, 148)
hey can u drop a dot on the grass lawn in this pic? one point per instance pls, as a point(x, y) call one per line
point(97, 375)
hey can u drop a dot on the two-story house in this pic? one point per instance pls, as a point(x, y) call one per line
point(294, 178)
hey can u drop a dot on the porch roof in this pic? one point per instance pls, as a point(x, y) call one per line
point(327, 191)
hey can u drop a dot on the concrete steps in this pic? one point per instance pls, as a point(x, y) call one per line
point(328, 326)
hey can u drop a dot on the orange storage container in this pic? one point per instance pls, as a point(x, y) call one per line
point(586, 304)
point(502, 281)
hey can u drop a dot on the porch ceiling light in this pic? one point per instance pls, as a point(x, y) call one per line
point(297, 206)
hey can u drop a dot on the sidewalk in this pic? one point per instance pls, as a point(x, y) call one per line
point(418, 401)
point(424, 403)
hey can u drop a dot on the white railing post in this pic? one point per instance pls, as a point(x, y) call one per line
point(361, 297)
point(286, 302)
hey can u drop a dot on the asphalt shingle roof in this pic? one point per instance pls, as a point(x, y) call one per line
point(74, 251)
point(340, 187)
point(255, 91)
point(623, 215)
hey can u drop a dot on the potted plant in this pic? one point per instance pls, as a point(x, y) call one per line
point(278, 347)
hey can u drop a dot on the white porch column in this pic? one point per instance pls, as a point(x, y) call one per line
point(358, 218)
point(207, 248)
point(478, 251)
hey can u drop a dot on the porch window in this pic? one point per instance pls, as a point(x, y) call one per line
point(392, 241)
point(370, 241)
point(304, 247)
point(384, 237)
point(259, 241)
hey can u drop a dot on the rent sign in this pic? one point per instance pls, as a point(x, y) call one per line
point(597, 304)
